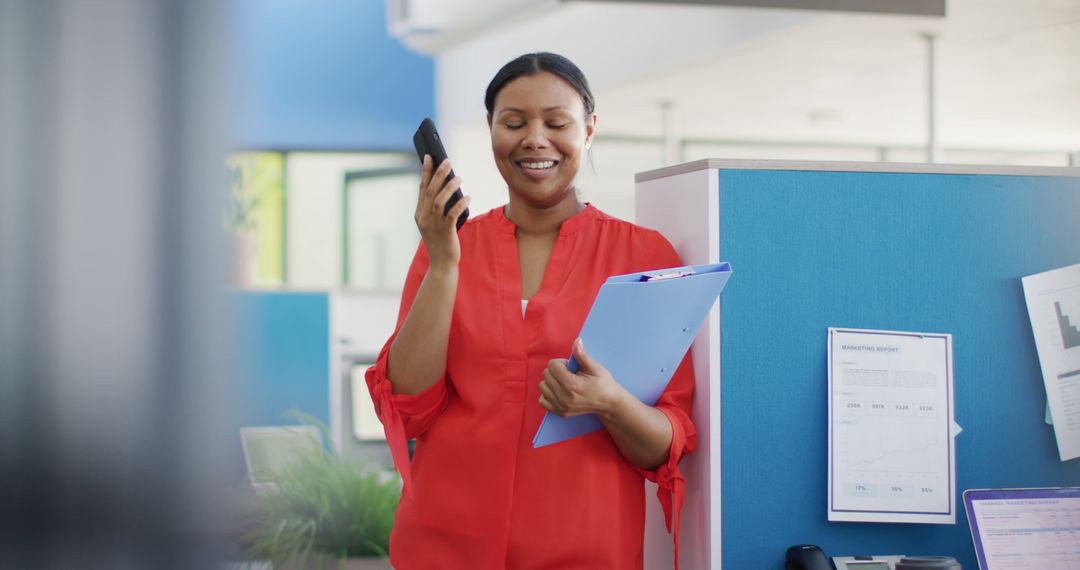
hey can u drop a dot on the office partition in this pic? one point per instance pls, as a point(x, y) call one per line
point(922, 248)
point(281, 357)
point(298, 350)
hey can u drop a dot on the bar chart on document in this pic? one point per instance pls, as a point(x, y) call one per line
point(1067, 318)
point(890, 443)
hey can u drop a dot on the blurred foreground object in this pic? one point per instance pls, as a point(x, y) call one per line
point(112, 383)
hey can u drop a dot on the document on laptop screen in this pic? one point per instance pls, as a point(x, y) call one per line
point(1025, 529)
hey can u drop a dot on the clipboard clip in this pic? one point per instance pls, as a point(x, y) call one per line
point(672, 275)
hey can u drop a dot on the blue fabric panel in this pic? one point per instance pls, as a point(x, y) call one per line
point(324, 75)
point(914, 252)
point(281, 356)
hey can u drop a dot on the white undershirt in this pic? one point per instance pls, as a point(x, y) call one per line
point(524, 303)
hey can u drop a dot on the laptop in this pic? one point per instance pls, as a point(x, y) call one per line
point(268, 449)
point(1025, 529)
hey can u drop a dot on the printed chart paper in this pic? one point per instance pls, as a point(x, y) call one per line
point(1053, 302)
point(891, 429)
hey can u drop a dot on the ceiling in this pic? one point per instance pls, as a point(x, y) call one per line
point(1008, 70)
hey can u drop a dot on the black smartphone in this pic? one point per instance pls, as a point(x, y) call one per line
point(427, 141)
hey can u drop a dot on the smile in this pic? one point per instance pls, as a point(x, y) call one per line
point(541, 165)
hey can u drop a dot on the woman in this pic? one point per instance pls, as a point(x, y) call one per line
point(488, 316)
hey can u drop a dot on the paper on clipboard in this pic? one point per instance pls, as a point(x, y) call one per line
point(639, 328)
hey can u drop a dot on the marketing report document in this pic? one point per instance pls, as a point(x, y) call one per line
point(891, 429)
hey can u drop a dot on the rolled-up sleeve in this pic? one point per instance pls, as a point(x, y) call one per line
point(675, 403)
point(404, 416)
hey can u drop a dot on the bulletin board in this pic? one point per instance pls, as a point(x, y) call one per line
point(931, 252)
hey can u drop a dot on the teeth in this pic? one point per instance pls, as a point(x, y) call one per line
point(539, 165)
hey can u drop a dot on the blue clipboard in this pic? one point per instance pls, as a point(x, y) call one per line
point(639, 328)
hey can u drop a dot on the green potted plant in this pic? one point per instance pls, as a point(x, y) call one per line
point(320, 511)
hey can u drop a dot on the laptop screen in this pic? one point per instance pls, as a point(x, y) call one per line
point(268, 449)
point(1025, 529)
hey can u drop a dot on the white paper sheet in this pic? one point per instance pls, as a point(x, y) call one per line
point(891, 428)
point(1053, 301)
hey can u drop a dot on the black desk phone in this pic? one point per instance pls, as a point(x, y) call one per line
point(807, 557)
point(810, 557)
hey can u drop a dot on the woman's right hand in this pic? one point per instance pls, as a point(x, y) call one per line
point(439, 231)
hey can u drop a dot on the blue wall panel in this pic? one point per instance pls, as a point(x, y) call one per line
point(282, 356)
point(280, 361)
point(915, 252)
point(324, 75)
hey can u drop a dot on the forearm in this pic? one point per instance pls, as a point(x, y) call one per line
point(641, 432)
point(417, 356)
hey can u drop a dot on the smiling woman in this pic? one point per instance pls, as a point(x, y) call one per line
point(470, 374)
point(541, 125)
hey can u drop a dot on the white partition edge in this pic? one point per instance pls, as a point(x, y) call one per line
point(337, 425)
point(718, 164)
point(685, 207)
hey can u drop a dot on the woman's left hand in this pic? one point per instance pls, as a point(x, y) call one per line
point(592, 390)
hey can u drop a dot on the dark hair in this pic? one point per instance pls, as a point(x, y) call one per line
point(534, 63)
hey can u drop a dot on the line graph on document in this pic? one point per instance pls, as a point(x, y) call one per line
point(891, 446)
point(902, 460)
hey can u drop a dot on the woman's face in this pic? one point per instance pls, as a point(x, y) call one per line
point(538, 134)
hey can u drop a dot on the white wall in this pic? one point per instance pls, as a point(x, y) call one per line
point(786, 83)
point(315, 183)
point(606, 43)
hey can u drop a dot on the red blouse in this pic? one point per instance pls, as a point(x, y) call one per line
point(478, 495)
